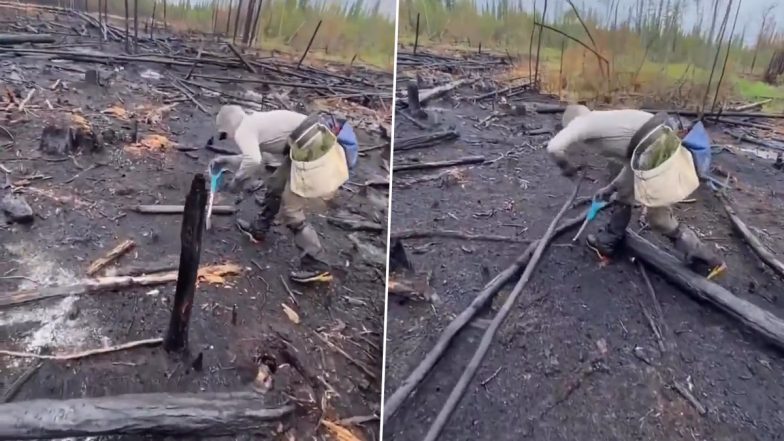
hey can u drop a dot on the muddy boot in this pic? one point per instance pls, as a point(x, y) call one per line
point(608, 242)
point(697, 255)
point(313, 266)
point(257, 230)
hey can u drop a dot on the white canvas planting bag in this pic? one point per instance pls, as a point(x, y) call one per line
point(318, 163)
point(673, 179)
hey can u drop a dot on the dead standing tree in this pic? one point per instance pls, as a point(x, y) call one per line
point(236, 22)
point(228, 17)
point(539, 48)
point(256, 23)
point(193, 221)
point(127, 30)
point(775, 67)
point(135, 26)
point(152, 20)
point(312, 37)
point(248, 22)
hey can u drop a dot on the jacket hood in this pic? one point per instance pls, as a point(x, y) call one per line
point(229, 119)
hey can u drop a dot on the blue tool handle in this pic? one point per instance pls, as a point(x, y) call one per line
point(594, 210)
point(215, 180)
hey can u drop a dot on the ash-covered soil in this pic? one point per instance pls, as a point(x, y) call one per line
point(536, 381)
point(82, 204)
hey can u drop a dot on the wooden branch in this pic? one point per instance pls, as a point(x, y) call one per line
point(158, 414)
point(102, 284)
point(558, 31)
point(83, 354)
point(396, 399)
point(413, 120)
point(13, 388)
point(686, 393)
point(96, 57)
point(193, 221)
point(585, 27)
point(672, 269)
point(178, 209)
point(242, 59)
point(168, 263)
point(110, 257)
point(453, 234)
point(751, 106)
point(307, 49)
point(414, 286)
point(9, 39)
point(682, 112)
point(487, 338)
point(428, 95)
point(355, 225)
point(439, 164)
point(362, 366)
point(428, 140)
point(753, 241)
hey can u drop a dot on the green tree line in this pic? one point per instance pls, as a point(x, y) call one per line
point(348, 29)
point(631, 34)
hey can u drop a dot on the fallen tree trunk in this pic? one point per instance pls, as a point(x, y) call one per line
point(102, 284)
point(436, 92)
point(418, 142)
point(750, 106)
point(439, 164)
point(672, 269)
point(209, 414)
point(753, 241)
point(682, 112)
point(453, 234)
point(8, 39)
point(179, 209)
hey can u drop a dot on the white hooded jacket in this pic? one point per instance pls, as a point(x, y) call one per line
point(256, 133)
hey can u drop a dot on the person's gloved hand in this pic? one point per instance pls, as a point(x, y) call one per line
point(218, 163)
point(604, 193)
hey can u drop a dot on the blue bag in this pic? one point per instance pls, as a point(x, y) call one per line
point(699, 144)
point(348, 139)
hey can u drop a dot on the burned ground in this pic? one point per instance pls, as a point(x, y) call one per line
point(537, 382)
point(327, 357)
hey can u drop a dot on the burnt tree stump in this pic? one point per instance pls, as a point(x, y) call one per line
point(414, 106)
point(69, 135)
point(193, 222)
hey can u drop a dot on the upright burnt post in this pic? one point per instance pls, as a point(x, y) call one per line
point(416, 35)
point(256, 23)
point(236, 22)
point(193, 220)
point(248, 22)
point(414, 106)
point(228, 18)
point(127, 31)
point(312, 37)
point(152, 19)
point(135, 26)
